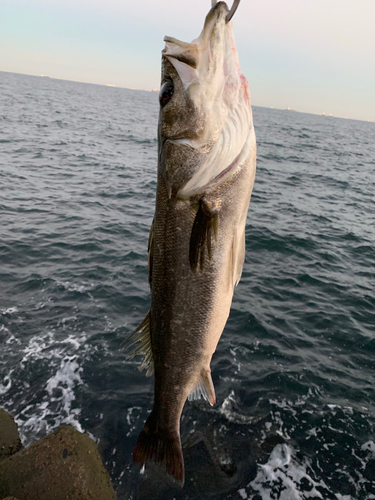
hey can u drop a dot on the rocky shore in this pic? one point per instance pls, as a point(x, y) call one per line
point(63, 465)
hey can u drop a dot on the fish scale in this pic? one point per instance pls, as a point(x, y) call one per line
point(206, 172)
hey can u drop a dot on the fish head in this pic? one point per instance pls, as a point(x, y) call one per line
point(204, 105)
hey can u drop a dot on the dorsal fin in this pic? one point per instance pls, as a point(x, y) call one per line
point(142, 337)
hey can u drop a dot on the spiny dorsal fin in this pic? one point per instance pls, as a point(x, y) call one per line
point(204, 388)
point(142, 337)
point(205, 223)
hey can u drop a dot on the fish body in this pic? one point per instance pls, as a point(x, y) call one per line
point(206, 170)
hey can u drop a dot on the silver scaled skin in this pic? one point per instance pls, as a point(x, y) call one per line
point(206, 171)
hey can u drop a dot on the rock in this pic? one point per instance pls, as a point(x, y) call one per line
point(63, 465)
point(10, 441)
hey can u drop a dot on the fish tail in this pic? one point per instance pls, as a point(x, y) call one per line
point(161, 446)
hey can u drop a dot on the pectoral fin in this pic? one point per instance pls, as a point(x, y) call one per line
point(205, 223)
point(142, 337)
point(204, 388)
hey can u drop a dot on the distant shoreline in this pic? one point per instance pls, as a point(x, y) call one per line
point(287, 108)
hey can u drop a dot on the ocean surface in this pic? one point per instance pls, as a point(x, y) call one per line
point(294, 371)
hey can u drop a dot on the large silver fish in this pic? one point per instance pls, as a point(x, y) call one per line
point(206, 170)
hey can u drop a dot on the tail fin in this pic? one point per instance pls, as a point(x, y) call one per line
point(160, 446)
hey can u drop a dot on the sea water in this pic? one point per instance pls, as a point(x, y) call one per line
point(294, 371)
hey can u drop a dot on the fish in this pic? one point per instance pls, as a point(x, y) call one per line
point(196, 247)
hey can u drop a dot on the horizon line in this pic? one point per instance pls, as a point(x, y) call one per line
point(330, 115)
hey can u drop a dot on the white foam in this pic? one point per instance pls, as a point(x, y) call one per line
point(285, 475)
point(36, 348)
point(41, 305)
point(229, 411)
point(13, 340)
point(65, 321)
point(74, 341)
point(6, 384)
point(132, 417)
point(10, 310)
point(75, 287)
point(369, 446)
point(56, 406)
point(65, 380)
point(4, 329)
point(312, 432)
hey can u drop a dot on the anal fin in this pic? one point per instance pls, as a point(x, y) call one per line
point(142, 337)
point(205, 388)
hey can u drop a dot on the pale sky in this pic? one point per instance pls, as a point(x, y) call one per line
point(316, 56)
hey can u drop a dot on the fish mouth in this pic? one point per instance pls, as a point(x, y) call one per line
point(189, 53)
point(222, 5)
point(212, 90)
point(218, 11)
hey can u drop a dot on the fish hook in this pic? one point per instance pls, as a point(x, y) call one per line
point(232, 10)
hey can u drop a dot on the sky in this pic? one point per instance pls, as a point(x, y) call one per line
point(316, 56)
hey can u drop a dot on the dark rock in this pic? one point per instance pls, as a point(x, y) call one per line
point(63, 465)
point(10, 441)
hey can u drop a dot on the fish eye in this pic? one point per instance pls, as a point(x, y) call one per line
point(166, 93)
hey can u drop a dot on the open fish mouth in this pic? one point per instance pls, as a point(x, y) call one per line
point(231, 12)
point(204, 82)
